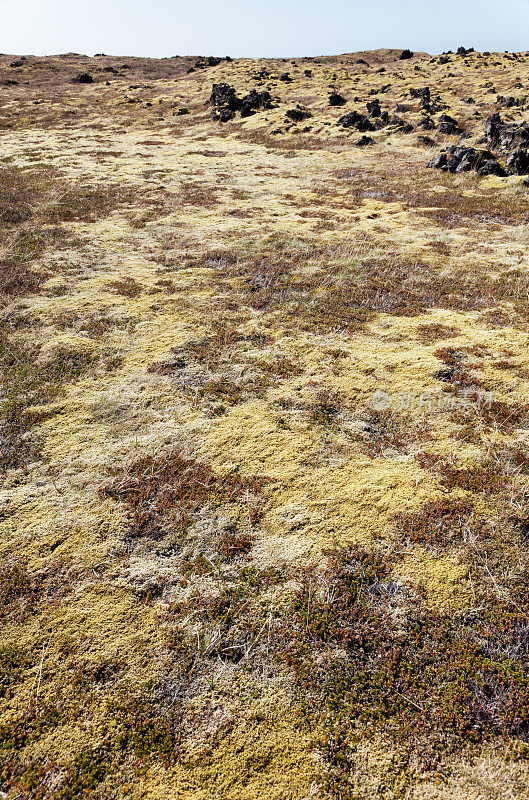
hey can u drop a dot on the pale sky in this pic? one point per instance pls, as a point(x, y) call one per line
point(257, 28)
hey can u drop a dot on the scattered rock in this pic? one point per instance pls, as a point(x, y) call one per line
point(17, 64)
point(373, 108)
point(448, 125)
point(83, 77)
point(298, 114)
point(336, 99)
point(308, 73)
point(444, 60)
point(426, 124)
point(113, 70)
point(405, 55)
point(285, 77)
point(507, 102)
point(364, 141)
point(361, 61)
point(225, 102)
point(356, 120)
point(181, 112)
point(463, 159)
point(462, 51)
point(426, 141)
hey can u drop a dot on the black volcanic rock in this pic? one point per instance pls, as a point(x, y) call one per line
point(405, 55)
point(506, 136)
point(464, 159)
point(373, 108)
point(463, 51)
point(423, 95)
point(225, 102)
point(356, 120)
point(336, 99)
point(518, 162)
point(426, 124)
point(448, 125)
point(298, 114)
point(83, 77)
point(364, 141)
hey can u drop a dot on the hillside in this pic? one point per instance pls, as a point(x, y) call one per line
point(264, 464)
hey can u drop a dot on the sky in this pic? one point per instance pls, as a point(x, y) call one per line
point(259, 28)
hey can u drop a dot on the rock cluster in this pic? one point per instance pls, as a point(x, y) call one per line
point(226, 103)
point(373, 120)
point(464, 159)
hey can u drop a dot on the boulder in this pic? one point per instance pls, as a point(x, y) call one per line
point(364, 141)
point(373, 108)
point(336, 99)
point(83, 77)
point(426, 124)
point(405, 55)
point(298, 114)
point(448, 125)
point(518, 162)
point(356, 120)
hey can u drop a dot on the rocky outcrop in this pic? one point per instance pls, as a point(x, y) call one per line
point(506, 136)
point(464, 159)
point(356, 120)
point(226, 103)
point(405, 55)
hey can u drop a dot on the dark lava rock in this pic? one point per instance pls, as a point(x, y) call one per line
point(491, 167)
point(308, 73)
point(448, 125)
point(298, 114)
point(336, 99)
point(426, 124)
point(405, 55)
point(225, 102)
point(444, 60)
point(285, 77)
point(113, 70)
point(361, 61)
point(224, 99)
point(182, 112)
point(17, 64)
point(426, 141)
point(463, 51)
point(364, 141)
point(373, 108)
point(505, 136)
point(507, 102)
point(464, 159)
point(423, 95)
point(83, 77)
point(254, 101)
point(356, 120)
point(213, 61)
point(518, 162)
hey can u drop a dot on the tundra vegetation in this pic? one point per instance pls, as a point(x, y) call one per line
point(264, 465)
